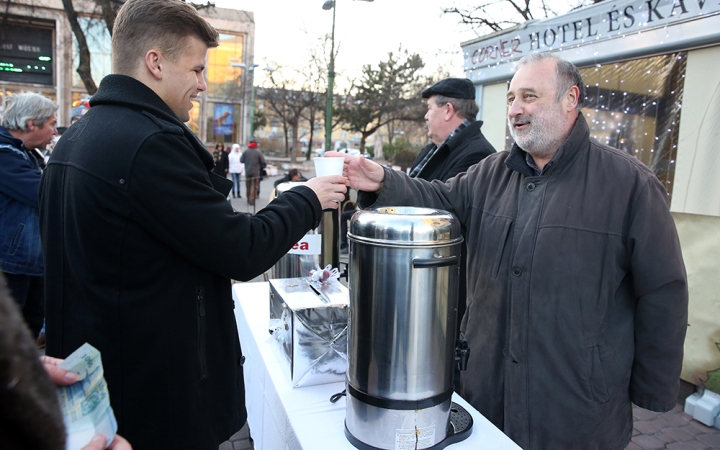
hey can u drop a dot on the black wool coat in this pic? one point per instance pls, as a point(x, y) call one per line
point(456, 155)
point(140, 246)
point(466, 148)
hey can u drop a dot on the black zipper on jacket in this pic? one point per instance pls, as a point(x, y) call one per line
point(201, 333)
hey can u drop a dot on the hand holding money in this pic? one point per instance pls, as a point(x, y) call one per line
point(98, 443)
point(59, 376)
point(85, 404)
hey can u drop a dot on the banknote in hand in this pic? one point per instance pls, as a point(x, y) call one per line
point(86, 404)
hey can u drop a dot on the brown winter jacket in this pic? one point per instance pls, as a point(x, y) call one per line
point(577, 293)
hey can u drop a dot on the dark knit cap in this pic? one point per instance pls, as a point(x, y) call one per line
point(451, 87)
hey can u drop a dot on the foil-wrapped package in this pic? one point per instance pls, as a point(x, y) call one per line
point(309, 322)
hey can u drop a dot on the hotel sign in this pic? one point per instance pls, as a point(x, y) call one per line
point(596, 33)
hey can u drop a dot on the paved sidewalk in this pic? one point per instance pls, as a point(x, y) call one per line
point(672, 430)
point(267, 185)
point(239, 441)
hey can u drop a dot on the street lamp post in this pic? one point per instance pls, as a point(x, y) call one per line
point(330, 4)
point(251, 70)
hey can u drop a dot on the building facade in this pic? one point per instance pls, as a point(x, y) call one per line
point(652, 73)
point(39, 53)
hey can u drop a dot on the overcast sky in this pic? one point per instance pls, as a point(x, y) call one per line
point(366, 32)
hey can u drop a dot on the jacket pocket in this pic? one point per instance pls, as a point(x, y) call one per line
point(201, 333)
point(501, 247)
point(598, 386)
point(16, 239)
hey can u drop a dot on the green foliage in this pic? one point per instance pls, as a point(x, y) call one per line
point(406, 157)
point(388, 92)
point(259, 121)
point(391, 150)
point(713, 381)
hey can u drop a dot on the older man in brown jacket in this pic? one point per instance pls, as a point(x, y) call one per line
point(577, 292)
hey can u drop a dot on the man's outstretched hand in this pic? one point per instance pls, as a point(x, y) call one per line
point(361, 173)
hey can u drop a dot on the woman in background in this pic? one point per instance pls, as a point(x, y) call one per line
point(221, 160)
point(236, 169)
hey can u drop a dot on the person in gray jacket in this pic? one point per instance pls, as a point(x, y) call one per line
point(254, 162)
point(577, 291)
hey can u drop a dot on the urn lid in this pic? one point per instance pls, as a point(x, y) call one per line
point(405, 225)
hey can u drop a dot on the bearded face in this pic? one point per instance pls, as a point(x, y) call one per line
point(541, 132)
point(539, 122)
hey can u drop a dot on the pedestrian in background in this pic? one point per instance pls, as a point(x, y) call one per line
point(236, 169)
point(292, 175)
point(220, 158)
point(254, 162)
point(577, 292)
point(28, 124)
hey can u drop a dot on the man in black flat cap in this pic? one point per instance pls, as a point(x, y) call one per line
point(457, 143)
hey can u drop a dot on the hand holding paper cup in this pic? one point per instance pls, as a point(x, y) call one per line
point(328, 190)
point(328, 166)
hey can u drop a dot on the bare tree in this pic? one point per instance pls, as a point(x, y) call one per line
point(288, 101)
point(108, 10)
point(83, 68)
point(495, 15)
point(297, 95)
point(315, 75)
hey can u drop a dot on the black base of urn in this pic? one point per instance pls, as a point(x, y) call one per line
point(460, 428)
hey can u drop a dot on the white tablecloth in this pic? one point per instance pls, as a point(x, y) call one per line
point(281, 417)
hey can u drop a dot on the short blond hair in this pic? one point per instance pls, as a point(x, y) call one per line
point(163, 24)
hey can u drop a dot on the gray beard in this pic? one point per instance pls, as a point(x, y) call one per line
point(544, 136)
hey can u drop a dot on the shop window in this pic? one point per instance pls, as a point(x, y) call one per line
point(99, 43)
point(635, 106)
point(223, 80)
point(223, 122)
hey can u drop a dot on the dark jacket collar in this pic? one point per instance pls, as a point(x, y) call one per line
point(7, 138)
point(576, 143)
point(127, 91)
point(459, 137)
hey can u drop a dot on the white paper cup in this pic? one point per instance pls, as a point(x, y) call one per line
point(329, 165)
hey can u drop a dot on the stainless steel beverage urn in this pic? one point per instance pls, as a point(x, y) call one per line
point(320, 246)
point(404, 269)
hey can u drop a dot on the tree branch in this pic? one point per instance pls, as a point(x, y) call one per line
point(83, 68)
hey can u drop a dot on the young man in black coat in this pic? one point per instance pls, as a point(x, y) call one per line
point(141, 245)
